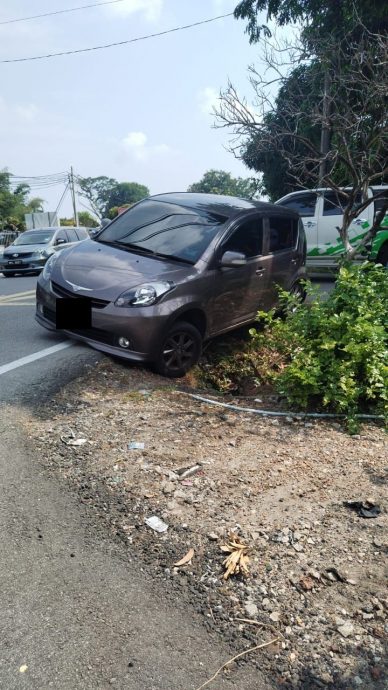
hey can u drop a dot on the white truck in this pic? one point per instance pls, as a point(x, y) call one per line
point(321, 213)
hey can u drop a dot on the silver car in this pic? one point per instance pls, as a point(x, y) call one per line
point(31, 249)
point(171, 272)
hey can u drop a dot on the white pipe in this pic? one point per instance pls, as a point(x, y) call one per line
point(271, 413)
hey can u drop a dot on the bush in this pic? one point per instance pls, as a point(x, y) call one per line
point(329, 354)
point(338, 349)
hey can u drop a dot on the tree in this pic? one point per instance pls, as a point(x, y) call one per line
point(124, 193)
point(104, 192)
point(221, 182)
point(354, 110)
point(96, 190)
point(318, 16)
point(86, 220)
point(14, 204)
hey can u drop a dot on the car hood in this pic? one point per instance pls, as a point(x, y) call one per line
point(106, 272)
point(24, 249)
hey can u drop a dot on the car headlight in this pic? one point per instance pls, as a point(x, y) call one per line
point(143, 295)
point(39, 254)
point(49, 265)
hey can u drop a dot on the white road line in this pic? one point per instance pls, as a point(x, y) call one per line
point(31, 358)
point(17, 295)
point(17, 304)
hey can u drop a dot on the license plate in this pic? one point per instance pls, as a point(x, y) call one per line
point(14, 263)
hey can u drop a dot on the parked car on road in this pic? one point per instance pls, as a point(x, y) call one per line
point(30, 251)
point(172, 271)
point(321, 211)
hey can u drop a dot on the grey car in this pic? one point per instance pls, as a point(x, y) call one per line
point(171, 272)
point(31, 249)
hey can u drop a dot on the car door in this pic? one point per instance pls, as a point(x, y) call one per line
point(281, 243)
point(307, 205)
point(240, 291)
point(330, 218)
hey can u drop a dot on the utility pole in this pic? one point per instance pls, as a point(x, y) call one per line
point(72, 189)
point(325, 131)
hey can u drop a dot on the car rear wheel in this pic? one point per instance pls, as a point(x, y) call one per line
point(180, 350)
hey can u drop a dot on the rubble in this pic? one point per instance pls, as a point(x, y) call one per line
point(316, 571)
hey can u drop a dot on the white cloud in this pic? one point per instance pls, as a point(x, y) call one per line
point(135, 143)
point(135, 140)
point(152, 9)
point(14, 113)
point(208, 99)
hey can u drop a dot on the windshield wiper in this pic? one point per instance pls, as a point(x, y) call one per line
point(144, 250)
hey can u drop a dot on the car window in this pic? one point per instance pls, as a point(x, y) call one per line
point(61, 235)
point(34, 237)
point(81, 233)
point(381, 201)
point(304, 204)
point(247, 239)
point(283, 233)
point(71, 234)
point(334, 203)
point(164, 228)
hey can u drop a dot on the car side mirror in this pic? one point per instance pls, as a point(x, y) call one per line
point(104, 222)
point(60, 241)
point(233, 259)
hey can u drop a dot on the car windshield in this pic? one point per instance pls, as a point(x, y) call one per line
point(35, 237)
point(164, 229)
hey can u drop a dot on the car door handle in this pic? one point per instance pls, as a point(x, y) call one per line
point(293, 261)
point(260, 272)
point(360, 221)
point(310, 223)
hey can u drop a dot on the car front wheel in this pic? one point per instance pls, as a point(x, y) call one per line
point(180, 350)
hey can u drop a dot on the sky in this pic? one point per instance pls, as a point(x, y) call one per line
point(140, 112)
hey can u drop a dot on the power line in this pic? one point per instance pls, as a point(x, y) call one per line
point(50, 14)
point(120, 43)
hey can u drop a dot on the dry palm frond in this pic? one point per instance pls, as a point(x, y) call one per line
point(238, 559)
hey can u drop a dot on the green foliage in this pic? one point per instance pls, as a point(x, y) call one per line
point(337, 350)
point(15, 204)
point(87, 220)
point(103, 193)
point(221, 182)
point(298, 97)
point(97, 190)
point(329, 354)
point(322, 16)
point(125, 193)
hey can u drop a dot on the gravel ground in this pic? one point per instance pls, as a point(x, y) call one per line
point(317, 577)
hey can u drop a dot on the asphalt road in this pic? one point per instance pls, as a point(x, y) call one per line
point(76, 610)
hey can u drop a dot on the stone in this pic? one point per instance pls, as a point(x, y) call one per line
point(346, 630)
point(251, 609)
point(298, 547)
point(275, 616)
point(212, 536)
point(266, 604)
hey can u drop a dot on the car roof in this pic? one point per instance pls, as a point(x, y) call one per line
point(219, 204)
point(57, 227)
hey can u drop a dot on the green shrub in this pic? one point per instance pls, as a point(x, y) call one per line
point(325, 354)
point(337, 350)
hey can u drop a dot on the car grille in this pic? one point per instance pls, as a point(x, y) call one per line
point(10, 257)
point(63, 292)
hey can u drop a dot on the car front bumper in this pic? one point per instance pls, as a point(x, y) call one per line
point(143, 327)
point(21, 265)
